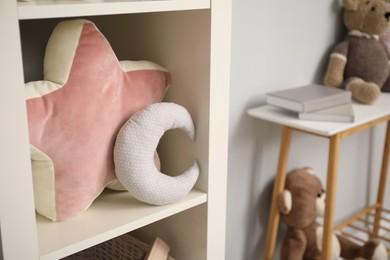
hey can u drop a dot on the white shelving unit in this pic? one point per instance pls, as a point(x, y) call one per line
point(191, 38)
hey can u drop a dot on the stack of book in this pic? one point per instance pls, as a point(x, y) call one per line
point(315, 102)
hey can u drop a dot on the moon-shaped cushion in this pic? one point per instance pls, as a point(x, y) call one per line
point(134, 150)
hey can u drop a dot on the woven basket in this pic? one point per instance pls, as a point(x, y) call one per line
point(125, 247)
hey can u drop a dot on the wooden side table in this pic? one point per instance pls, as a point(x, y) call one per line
point(367, 116)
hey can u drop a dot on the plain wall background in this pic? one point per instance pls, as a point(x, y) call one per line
point(280, 44)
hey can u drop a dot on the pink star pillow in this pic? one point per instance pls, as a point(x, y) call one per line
point(75, 113)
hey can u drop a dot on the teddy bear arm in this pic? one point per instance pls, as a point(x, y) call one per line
point(334, 76)
point(294, 245)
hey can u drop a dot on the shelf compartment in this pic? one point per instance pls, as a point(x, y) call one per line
point(361, 226)
point(39, 9)
point(112, 214)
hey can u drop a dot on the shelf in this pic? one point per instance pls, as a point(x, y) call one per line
point(361, 227)
point(363, 114)
point(189, 37)
point(39, 9)
point(112, 214)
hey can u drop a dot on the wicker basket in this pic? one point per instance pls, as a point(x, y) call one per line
point(125, 247)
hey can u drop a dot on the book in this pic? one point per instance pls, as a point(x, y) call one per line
point(308, 98)
point(341, 113)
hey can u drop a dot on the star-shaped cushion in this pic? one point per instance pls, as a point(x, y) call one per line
point(75, 113)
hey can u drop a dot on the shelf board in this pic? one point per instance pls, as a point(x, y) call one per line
point(39, 9)
point(112, 214)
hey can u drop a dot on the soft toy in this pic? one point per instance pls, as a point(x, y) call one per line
point(300, 203)
point(360, 63)
point(76, 111)
point(135, 146)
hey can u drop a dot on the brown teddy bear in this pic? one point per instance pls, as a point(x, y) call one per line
point(360, 63)
point(301, 202)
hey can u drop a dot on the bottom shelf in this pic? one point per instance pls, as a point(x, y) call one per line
point(361, 227)
point(111, 215)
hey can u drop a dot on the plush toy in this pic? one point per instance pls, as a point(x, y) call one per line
point(300, 203)
point(360, 63)
point(76, 111)
point(135, 145)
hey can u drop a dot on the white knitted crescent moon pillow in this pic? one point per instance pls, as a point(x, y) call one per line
point(134, 151)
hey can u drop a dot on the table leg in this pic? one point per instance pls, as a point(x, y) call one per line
point(330, 196)
point(382, 181)
point(274, 216)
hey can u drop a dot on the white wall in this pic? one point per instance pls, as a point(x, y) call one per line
point(279, 44)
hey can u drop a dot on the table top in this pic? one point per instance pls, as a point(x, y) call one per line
point(363, 114)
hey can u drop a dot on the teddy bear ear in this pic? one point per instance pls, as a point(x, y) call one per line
point(351, 5)
point(309, 170)
point(285, 202)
